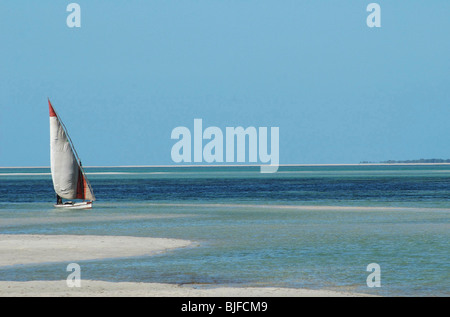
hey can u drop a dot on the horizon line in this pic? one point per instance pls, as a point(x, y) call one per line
point(241, 165)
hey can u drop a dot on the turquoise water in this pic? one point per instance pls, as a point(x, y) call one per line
point(305, 226)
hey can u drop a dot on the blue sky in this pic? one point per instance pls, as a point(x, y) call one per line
point(339, 91)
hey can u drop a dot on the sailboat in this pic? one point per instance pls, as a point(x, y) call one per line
point(69, 178)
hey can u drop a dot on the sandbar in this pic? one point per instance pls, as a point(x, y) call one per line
point(23, 249)
point(89, 288)
point(29, 249)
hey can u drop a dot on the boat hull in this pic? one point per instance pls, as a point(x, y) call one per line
point(81, 205)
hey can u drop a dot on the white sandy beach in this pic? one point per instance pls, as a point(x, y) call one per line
point(29, 249)
point(131, 289)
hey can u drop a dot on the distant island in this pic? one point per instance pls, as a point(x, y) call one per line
point(409, 161)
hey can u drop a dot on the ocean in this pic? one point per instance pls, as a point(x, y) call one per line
point(315, 227)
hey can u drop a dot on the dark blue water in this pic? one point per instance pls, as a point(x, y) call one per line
point(380, 185)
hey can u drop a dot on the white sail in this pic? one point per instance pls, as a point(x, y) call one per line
point(69, 180)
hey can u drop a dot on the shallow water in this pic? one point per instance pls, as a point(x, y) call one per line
point(288, 229)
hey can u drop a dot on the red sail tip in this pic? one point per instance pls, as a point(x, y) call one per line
point(50, 108)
